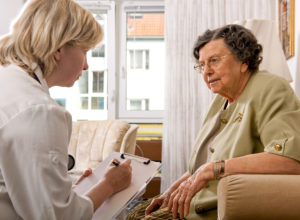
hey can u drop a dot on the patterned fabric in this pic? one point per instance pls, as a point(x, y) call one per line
point(138, 213)
point(92, 141)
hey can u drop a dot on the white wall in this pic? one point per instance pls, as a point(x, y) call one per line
point(293, 63)
point(8, 11)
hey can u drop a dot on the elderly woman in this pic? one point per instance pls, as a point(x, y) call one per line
point(251, 127)
point(46, 47)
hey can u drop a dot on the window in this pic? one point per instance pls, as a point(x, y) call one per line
point(98, 82)
point(138, 104)
point(135, 105)
point(98, 103)
point(139, 59)
point(141, 91)
point(92, 91)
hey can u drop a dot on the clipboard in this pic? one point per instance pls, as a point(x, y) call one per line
point(143, 171)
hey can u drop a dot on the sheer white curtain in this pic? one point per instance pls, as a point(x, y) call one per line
point(186, 95)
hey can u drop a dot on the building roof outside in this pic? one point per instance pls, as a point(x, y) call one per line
point(146, 25)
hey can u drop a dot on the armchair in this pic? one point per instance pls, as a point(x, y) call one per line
point(243, 197)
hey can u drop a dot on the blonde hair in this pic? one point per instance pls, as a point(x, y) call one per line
point(42, 27)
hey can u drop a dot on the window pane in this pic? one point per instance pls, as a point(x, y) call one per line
point(61, 102)
point(83, 103)
point(98, 80)
point(135, 105)
point(83, 83)
point(145, 45)
point(136, 59)
point(98, 103)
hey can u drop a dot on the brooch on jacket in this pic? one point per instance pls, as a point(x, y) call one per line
point(239, 118)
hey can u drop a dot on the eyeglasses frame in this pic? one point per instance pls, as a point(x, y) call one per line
point(206, 63)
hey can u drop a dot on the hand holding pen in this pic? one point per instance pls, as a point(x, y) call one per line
point(118, 174)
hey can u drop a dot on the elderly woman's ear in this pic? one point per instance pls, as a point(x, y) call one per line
point(244, 67)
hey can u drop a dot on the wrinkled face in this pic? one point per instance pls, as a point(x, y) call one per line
point(226, 77)
point(70, 63)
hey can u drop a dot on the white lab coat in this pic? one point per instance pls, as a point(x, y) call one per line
point(34, 137)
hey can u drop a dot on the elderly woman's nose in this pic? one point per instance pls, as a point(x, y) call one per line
point(207, 69)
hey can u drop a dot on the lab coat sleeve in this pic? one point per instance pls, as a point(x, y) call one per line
point(34, 157)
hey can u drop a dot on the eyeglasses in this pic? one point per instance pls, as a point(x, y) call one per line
point(212, 63)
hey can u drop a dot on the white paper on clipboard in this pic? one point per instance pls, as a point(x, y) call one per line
point(141, 174)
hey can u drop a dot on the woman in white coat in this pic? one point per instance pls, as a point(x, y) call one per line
point(46, 47)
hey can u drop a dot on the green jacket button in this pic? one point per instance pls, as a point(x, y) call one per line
point(224, 121)
point(278, 147)
point(199, 209)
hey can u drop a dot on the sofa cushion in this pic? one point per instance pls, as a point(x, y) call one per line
point(92, 141)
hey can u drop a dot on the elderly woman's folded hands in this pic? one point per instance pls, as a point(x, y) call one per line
point(181, 198)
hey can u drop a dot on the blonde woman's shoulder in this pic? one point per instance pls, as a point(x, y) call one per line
point(19, 91)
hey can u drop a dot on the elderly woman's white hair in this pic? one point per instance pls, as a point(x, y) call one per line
point(42, 27)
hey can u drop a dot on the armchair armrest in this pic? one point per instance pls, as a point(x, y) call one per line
point(129, 140)
point(259, 197)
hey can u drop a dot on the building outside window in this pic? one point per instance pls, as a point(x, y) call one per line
point(145, 61)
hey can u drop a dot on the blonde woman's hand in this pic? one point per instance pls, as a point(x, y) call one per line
point(84, 175)
point(118, 177)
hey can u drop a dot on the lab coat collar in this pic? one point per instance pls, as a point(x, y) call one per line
point(38, 72)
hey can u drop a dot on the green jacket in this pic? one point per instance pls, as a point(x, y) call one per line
point(270, 116)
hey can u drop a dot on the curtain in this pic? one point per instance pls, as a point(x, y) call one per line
point(186, 95)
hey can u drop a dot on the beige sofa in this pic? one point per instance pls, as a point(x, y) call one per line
point(256, 197)
point(92, 141)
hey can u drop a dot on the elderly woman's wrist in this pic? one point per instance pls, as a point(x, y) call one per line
point(208, 171)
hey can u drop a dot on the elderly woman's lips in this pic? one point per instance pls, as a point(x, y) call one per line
point(212, 81)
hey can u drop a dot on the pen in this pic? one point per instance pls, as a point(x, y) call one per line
point(115, 163)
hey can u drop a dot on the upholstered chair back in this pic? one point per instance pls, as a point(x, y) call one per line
point(92, 141)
